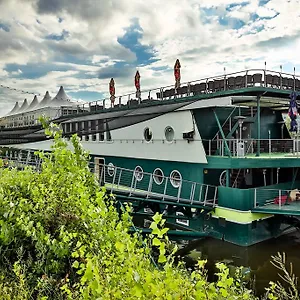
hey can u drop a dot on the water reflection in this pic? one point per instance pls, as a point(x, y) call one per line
point(255, 258)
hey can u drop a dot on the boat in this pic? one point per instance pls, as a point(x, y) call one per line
point(217, 156)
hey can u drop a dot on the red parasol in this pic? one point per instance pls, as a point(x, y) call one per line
point(112, 91)
point(177, 67)
point(137, 84)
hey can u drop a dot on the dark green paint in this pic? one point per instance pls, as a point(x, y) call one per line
point(227, 151)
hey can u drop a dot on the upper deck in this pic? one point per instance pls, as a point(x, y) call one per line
point(247, 82)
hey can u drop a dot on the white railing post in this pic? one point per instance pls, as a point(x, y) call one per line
point(179, 191)
point(200, 193)
point(114, 178)
point(255, 198)
point(132, 182)
point(149, 186)
point(215, 196)
point(119, 179)
point(205, 198)
point(165, 188)
point(280, 199)
point(192, 192)
point(209, 147)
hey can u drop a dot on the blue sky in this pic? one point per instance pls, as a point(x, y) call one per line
point(82, 44)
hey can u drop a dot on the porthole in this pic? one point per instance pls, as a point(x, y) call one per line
point(169, 133)
point(175, 179)
point(110, 169)
point(158, 176)
point(147, 134)
point(138, 173)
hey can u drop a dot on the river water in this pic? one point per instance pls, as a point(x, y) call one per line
point(255, 258)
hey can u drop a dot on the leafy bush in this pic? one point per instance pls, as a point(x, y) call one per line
point(62, 238)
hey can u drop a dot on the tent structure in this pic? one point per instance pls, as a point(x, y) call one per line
point(61, 98)
point(15, 109)
point(24, 106)
point(33, 103)
point(45, 101)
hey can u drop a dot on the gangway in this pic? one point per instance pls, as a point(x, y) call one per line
point(135, 183)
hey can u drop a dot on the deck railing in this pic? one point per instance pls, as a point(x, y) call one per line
point(134, 182)
point(208, 85)
point(241, 148)
point(152, 185)
point(265, 197)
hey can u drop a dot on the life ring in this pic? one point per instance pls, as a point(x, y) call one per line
point(222, 178)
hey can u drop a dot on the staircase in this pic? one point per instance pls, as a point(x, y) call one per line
point(236, 177)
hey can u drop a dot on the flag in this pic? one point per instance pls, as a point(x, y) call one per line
point(112, 91)
point(293, 112)
point(137, 85)
point(177, 67)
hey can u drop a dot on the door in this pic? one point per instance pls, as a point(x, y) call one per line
point(99, 169)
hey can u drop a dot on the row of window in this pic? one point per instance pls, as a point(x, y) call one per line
point(158, 175)
point(169, 134)
point(95, 125)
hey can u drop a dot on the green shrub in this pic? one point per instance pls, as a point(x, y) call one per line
point(62, 238)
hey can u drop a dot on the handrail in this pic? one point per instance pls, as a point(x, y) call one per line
point(264, 197)
point(267, 146)
point(225, 122)
point(135, 182)
point(101, 104)
point(206, 79)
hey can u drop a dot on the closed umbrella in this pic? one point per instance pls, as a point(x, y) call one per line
point(137, 85)
point(112, 92)
point(177, 67)
point(293, 112)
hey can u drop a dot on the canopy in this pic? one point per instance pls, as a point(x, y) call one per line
point(24, 106)
point(45, 101)
point(15, 109)
point(33, 103)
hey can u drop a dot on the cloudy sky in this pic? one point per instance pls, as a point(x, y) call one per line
point(81, 44)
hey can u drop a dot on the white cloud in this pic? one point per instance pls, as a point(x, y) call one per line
point(184, 29)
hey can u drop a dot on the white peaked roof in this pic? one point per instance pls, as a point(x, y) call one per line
point(24, 106)
point(33, 103)
point(45, 101)
point(61, 98)
point(15, 109)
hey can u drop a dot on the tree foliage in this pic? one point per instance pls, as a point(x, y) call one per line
point(61, 237)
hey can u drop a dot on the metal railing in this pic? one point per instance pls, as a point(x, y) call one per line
point(22, 160)
point(133, 182)
point(231, 81)
point(240, 148)
point(265, 197)
point(149, 185)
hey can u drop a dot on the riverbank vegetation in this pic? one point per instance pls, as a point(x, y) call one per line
point(61, 237)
